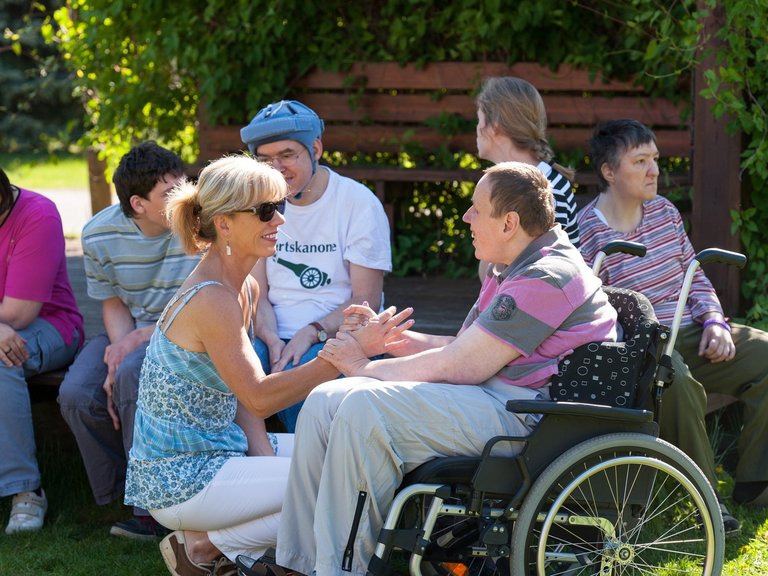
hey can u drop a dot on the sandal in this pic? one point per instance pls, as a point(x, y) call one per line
point(174, 551)
point(264, 566)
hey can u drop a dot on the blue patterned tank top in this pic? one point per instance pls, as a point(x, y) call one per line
point(185, 428)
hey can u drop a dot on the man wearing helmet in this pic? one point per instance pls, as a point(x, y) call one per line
point(332, 251)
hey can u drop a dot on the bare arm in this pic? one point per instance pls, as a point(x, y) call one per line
point(470, 358)
point(226, 342)
point(123, 335)
point(387, 332)
point(367, 285)
point(15, 315)
point(18, 314)
point(265, 321)
point(124, 338)
point(255, 430)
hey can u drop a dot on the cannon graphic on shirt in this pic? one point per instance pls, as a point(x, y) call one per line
point(309, 276)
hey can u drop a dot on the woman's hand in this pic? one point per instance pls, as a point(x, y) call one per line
point(376, 333)
point(716, 344)
point(13, 348)
point(345, 353)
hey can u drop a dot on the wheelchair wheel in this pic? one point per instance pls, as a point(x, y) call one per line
point(619, 504)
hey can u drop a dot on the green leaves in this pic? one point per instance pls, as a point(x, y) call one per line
point(738, 84)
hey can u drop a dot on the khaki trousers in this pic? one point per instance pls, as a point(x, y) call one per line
point(746, 377)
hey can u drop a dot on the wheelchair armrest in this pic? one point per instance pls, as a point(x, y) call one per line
point(579, 409)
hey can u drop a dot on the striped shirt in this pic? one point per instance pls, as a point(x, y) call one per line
point(659, 275)
point(544, 304)
point(121, 262)
point(565, 203)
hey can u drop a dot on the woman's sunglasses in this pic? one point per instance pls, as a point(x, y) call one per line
point(266, 211)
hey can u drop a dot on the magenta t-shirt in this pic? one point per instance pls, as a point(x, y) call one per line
point(34, 266)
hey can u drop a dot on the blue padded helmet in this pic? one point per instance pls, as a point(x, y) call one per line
point(284, 120)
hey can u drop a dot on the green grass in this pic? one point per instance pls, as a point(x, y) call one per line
point(45, 171)
point(76, 541)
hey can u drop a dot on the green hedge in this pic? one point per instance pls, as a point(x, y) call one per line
point(142, 67)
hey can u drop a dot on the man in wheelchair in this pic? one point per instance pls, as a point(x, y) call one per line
point(438, 396)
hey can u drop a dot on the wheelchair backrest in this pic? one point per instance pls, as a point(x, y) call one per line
point(615, 373)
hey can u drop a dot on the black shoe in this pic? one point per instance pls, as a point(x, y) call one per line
point(730, 522)
point(139, 528)
point(264, 566)
point(751, 494)
point(245, 565)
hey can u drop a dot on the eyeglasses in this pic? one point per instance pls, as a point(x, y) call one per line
point(286, 159)
point(266, 210)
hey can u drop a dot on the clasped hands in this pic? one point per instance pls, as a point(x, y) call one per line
point(365, 334)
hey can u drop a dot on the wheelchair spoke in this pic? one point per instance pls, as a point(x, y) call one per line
point(617, 511)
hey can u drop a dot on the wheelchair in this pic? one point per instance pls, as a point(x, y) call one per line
point(592, 490)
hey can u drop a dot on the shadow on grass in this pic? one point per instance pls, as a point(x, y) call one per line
point(75, 539)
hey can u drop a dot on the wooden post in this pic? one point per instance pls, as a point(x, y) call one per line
point(716, 182)
point(101, 191)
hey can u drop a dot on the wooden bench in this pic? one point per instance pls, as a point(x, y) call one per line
point(379, 108)
point(376, 108)
point(45, 386)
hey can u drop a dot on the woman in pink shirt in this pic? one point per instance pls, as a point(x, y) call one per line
point(41, 329)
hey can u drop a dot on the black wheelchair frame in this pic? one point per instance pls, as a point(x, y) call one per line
point(593, 489)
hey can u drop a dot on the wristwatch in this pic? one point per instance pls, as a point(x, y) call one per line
point(322, 335)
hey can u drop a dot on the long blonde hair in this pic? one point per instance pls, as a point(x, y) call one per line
point(225, 186)
point(515, 108)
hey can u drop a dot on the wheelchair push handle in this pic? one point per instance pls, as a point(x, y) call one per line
point(633, 248)
point(710, 255)
point(716, 255)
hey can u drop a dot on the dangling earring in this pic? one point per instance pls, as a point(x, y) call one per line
point(229, 249)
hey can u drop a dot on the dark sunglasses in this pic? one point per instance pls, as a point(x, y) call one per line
point(266, 211)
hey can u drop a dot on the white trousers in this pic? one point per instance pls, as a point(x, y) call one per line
point(362, 435)
point(240, 507)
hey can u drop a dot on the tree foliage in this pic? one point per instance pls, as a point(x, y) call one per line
point(142, 67)
point(738, 85)
point(37, 109)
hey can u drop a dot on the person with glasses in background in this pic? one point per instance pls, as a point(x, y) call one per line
point(333, 250)
point(202, 462)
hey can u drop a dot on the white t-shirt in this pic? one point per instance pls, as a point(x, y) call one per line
point(309, 274)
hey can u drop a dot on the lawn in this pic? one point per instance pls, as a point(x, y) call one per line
point(46, 172)
point(76, 540)
point(76, 537)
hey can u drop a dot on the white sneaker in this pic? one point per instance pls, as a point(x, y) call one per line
point(27, 513)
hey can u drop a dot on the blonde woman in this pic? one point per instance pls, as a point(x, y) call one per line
point(512, 126)
point(202, 462)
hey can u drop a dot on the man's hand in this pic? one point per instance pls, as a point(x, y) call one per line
point(275, 348)
point(345, 353)
point(716, 344)
point(376, 333)
point(114, 354)
point(111, 408)
point(13, 348)
point(295, 348)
